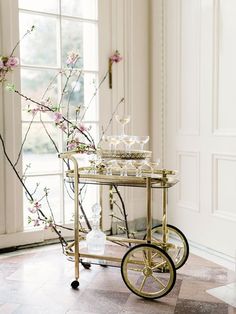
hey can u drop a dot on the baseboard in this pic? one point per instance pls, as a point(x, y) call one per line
point(213, 256)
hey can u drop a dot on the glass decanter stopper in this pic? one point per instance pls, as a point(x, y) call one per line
point(96, 238)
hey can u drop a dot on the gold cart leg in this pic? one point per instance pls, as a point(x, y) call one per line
point(164, 215)
point(101, 205)
point(76, 223)
point(149, 209)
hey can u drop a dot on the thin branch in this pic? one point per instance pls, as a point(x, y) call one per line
point(48, 134)
point(51, 110)
point(110, 121)
point(94, 94)
point(14, 169)
point(24, 140)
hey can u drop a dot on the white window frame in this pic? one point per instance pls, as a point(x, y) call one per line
point(11, 211)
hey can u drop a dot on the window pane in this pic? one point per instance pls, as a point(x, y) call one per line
point(81, 8)
point(84, 40)
point(39, 150)
point(90, 197)
point(50, 6)
point(40, 47)
point(34, 84)
point(80, 91)
point(53, 184)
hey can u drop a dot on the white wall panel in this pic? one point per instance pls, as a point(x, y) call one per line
point(225, 67)
point(224, 185)
point(188, 188)
point(188, 114)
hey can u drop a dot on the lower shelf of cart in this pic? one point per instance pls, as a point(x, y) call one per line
point(112, 253)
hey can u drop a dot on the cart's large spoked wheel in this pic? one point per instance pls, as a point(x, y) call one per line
point(177, 245)
point(143, 271)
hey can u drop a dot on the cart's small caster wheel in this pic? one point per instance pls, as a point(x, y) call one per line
point(75, 284)
point(142, 271)
point(86, 265)
point(177, 245)
point(103, 265)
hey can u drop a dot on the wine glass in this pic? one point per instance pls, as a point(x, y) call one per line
point(153, 165)
point(129, 140)
point(138, 164)
point(113, 141)
point(109, 165)
point(123, 120)
point(122, 163)
point(142, 140)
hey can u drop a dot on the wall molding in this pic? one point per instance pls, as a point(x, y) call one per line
point(216, 130)
point(179, 128)
point(216, 211)
point(212, 255)
point(185, 204)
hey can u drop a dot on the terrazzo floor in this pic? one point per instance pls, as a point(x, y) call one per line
point(38, 280)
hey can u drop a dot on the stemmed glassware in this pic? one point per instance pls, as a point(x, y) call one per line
point(129, 140)
point(122, 163)
point(142, 140)
point(112, 140)
point(153, 165)
point(138, 164)
point(123, 120)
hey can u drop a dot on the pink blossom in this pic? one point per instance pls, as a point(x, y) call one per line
point(36, 223)
point(82, 127)
point(62, 126)
point(72, 145)
point(72, 57)
point(36, 206)
point(32, 210)
point(57, 117)
point(12, 62)
point(116, 57)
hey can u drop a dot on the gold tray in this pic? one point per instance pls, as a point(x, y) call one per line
point(122, 154)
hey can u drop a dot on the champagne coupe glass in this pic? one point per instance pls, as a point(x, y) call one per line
point(138, 164)
point(153, 165)
point(121, 164)
point(123, 120)
point(109, 165)
point(142, 140)
point(113, 141)
point(94, 161)
point(129, 140)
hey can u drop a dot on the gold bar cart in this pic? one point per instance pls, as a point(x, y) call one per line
point(148, 267)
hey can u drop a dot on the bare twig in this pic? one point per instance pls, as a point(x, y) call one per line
point(14, 169)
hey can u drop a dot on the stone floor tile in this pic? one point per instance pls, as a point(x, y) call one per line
point(8, 308)
point(101, 301)
point(225, 293)
point(136, 304)
point(199, 307)
point(196, 290)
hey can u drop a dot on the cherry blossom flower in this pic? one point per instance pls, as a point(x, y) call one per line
point(36, 206)
point(72, 145)
point(57, 117)
point(12, 62)
point(116, 57)
point(72, 57)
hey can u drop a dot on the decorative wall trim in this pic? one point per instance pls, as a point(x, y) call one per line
point(216, 211)
point(180, 130)
point(216, 130)
point(212, 255)
point(182, 203)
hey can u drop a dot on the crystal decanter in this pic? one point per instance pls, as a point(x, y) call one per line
point(96, 238)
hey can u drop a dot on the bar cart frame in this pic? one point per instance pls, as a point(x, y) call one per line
point(149, 255)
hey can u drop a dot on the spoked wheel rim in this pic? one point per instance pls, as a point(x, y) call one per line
point(143, 271)
point(177, 245)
